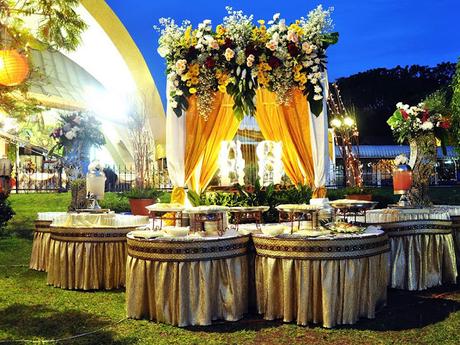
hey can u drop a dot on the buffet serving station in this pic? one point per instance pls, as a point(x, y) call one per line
point(422, 246)
point(88, 251)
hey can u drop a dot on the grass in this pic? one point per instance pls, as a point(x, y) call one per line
point(29, 309)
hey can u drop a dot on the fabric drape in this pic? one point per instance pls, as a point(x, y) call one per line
point(320, 144)
point(289, 124)
point(203, 139)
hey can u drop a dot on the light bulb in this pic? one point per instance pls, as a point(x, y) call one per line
point(348, 121)
point(336, 123)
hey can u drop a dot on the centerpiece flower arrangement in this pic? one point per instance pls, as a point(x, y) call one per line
point(74, 136)
point(238, 56)
point(409, 122)
point(421, 127)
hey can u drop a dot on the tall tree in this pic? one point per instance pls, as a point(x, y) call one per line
point(375, 92)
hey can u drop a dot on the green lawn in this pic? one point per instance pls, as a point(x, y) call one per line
point(29, 309)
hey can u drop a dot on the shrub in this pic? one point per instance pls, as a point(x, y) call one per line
point(6, 213)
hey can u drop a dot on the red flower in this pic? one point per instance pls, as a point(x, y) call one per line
point(292, 49)
point(404, 114)
point(210, 62)
point(425, 116)
point(274, 62)
point(228, 43)
point(445, 124)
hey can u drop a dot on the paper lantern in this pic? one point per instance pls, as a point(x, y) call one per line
point(14, 68)
point(402, 179)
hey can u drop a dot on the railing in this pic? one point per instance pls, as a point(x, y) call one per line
point(36, 176)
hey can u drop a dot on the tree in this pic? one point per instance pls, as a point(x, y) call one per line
point(375, 93)
point(56, 26)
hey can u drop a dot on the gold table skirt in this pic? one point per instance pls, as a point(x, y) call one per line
point(193, 284)
point(422, 254)
point(40, 246)
point(314, 281)
point(456, 235)
point(87, 258)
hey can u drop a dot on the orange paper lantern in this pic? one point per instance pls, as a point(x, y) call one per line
point(14, 68)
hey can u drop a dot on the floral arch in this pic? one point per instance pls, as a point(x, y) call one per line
point(273, 71)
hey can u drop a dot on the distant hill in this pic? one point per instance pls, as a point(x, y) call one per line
point(375, 92)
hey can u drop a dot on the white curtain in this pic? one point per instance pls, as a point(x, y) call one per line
point(175, 143)
point(319, 139)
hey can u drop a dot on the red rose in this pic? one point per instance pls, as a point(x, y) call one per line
point(210, 62)
point(292, 49)
point(274, 62)
point(404, 114)
point(445, 124)
point(425, 116)
point(228, 43)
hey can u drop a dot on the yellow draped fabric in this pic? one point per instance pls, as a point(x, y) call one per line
point(203, 139)
point(289, 124)
point(178, 195)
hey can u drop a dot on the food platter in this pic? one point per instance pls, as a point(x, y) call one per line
point(298, 208)
point(344, 228)
point(353, 205)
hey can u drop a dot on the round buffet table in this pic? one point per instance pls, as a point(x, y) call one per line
point(42, 239)
point(86, 255)
point(326, 280)
point(454, 212)
point(422, 246)
point(187, 281)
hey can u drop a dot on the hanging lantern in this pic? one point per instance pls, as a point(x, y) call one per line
point(14, 68)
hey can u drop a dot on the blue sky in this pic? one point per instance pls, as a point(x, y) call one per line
point(373, 33)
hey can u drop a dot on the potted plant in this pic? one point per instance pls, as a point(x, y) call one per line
point(358, 193)
point(140, 198)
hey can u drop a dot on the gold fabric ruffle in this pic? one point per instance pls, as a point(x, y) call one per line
point(422, 254)
point(187, 292)
point(88, 258)
point(40, 246)
point(86, 265)
point(419, 262)
point(328, 292)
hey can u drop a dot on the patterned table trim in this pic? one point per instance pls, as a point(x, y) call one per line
point(42, 225)
point(417, 227)
point(196, 250)
point(455, 222)
point(66, 234)
point(321, 249)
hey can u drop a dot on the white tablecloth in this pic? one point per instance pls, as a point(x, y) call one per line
point(99, 220)
point(388, 215)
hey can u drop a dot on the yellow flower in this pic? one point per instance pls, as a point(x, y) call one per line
point(192, 90)
point(189, 83)
point(220, 30)
point(194, 80)
point(261, 21)
point(302, 87)
point(296, 76)
point(223, 88)
point(187, 33)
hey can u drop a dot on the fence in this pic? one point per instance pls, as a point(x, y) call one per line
point(33, 174)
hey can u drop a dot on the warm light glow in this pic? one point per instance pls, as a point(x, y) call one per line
point(336, 123)
point(348, 121)
point(14, 68)
point(270, 163)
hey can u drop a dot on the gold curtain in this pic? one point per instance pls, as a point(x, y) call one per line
point(203, 139)
point(289, 124)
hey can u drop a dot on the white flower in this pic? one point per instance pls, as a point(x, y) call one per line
point(272, 45)
point(163, 51)
point(207, 22)
point(427, 125)
point(250, 60)
point(179, 92)
point(317, 97)
point(229, 54)
point(307, 48)
point(399, 105)
point(276, 16)
point(292, 36)
point(282, 25)
point(318, 89)
point(180, 66)
point(199, 46)
point(173, 104)
point(401, 159)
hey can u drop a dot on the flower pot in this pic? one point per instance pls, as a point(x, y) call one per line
point(365, 197)
point(138, 206)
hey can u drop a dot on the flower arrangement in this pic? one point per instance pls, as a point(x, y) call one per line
point(411, 121)
point(77, 130)
point(237, 57)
